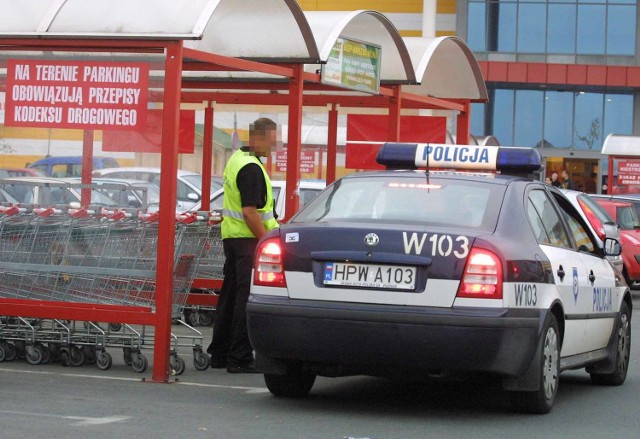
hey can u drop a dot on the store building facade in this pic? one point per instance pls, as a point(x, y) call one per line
point(561, 74)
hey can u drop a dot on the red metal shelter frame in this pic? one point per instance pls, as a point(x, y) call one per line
point(289, 91)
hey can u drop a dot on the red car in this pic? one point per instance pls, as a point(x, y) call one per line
point(625, 215)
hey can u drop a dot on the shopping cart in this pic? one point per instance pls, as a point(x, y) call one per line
point(93, 256)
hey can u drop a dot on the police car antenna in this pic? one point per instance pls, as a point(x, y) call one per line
point(427, 170)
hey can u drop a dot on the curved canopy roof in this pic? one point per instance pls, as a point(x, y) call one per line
point(445, 68)
point(618, 144)
point(265, 31)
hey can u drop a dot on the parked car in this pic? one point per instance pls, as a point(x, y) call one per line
point(47, 191)
point(5, 197)
point(389, 274)
point(625, 216)
point(599, 221)
point(128, 193)
point(20, 172)
point(629, 198)
point(69, 166)
point(189, 186)
point(308, 191)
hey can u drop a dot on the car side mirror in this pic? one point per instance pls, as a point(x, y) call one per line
point(193, 196)
point(612, 247)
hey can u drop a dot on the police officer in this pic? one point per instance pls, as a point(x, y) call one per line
point(248, 213)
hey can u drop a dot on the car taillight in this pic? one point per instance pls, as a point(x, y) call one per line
point(482, 276)
point(268, 268)
point(593, 220)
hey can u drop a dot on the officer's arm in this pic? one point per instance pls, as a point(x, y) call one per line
point(253, 220)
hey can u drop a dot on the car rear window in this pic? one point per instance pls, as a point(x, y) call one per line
point(437, 202)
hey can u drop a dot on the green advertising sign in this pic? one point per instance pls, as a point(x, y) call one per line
point(354, 65)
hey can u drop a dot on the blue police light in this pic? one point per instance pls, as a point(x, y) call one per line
point(461, 157)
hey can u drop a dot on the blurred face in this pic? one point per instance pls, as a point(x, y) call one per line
point(262, 142)
point(554, 176)
point(565, 175)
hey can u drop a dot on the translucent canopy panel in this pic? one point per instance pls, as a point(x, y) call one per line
point(265, 30)
point(445, 68)
point(369, 27)
point(616, 144)
point(106, 19)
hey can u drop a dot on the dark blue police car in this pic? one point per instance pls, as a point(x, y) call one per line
point(417, 272)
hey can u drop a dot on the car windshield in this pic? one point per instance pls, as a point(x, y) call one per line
point(398, 199)
point(196, 180)
point(627, 218)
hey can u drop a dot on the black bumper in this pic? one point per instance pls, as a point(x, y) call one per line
point(383, 339)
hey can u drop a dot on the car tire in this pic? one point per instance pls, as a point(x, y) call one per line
point(294, 384)
point(541, 401)
point(619, 374)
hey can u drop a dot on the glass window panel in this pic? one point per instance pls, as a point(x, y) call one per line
point(477, 27)
point(621, 30)
point(618, 114)
point(507, 27)
point(558, 115)
point(477, 119)
point(561, 31)
point(532, 23)
point(591, 29)
point(528, 118)
point(588, 121)
point(503, 116)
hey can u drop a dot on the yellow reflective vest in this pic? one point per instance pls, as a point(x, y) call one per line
point(233, 224)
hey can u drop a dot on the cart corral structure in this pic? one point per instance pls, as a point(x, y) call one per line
point(93, 256)
point(204, 56)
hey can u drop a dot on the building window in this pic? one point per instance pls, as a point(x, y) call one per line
point(554, 119)
point(574, 27)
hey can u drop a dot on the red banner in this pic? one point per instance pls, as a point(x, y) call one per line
point(76, 94)
point(363, 127)
point(150, 139)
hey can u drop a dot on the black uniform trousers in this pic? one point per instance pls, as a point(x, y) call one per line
point(230, 336)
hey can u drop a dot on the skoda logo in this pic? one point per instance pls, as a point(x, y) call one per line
point(371, 239)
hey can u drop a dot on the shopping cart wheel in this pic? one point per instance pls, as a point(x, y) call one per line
point(127, 356)
point(205, 318)
point(200, 360)
point(89, 354)
point(115, 327)
point(10, 352)
point(3, 351)
point(46, 353)
point(34, 355)
point(139, 362)
point(177, 365)
point(76, 356)
point(104, 360)
point(193, 317)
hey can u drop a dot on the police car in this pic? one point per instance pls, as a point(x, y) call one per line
point(416, 273)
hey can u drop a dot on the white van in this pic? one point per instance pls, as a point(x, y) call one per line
point(308, 191)
point(188, 189)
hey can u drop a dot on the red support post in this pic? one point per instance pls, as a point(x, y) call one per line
point(166, 225)
point(395, 105)
point(610, 175)
point(87, 167)
point(207, 157)
point(293, 147)
point(464, 125)
point(332, 144)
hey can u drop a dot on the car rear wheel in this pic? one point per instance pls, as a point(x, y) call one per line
point(294, 384)
point(619, 374)
point(541, 401)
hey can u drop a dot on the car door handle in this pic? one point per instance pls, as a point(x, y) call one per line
point(560, 272)
point(592, 277)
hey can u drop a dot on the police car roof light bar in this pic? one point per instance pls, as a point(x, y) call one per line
point(462, 157)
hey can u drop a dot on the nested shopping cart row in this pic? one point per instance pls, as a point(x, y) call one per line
point(108, 258)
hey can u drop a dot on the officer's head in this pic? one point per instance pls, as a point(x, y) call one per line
point(262, 136)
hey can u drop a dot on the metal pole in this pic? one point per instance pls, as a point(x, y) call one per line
point(166, 226)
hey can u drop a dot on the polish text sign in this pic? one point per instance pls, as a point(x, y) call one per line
point(76, 94)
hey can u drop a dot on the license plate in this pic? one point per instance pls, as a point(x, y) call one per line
point(370, 276)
